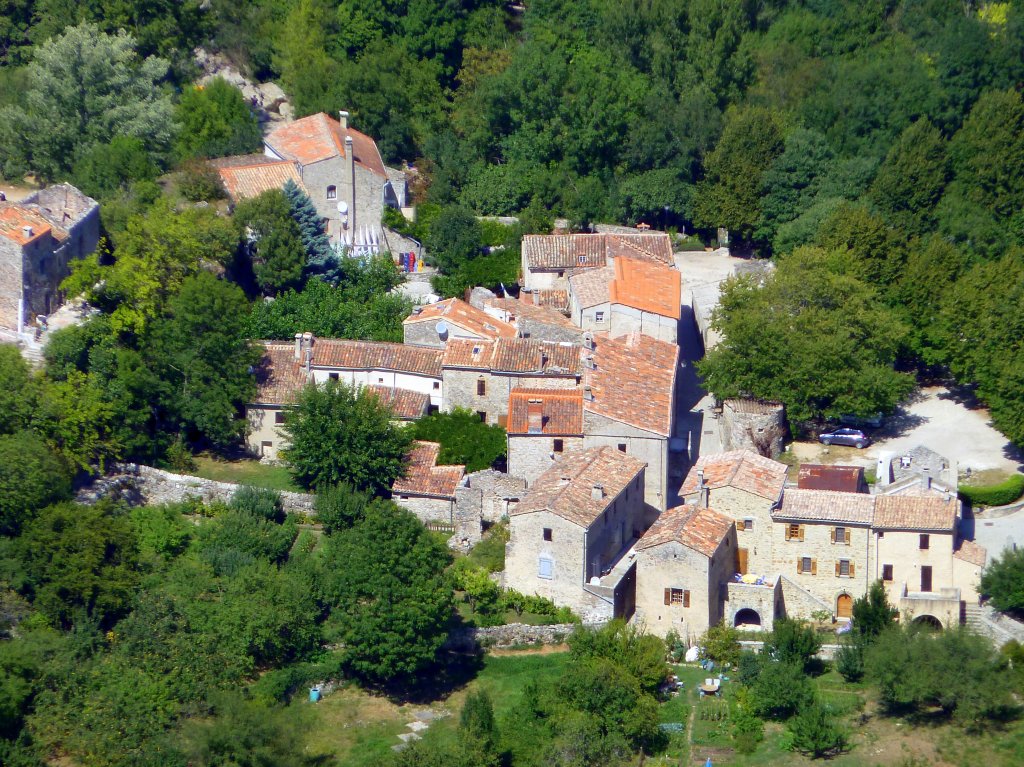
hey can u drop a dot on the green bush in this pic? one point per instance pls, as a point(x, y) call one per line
point(199, 181)
point(489, 553)
point(1005, 492)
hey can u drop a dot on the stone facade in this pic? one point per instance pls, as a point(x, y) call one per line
point(756, 426)
point(264, 438)
point(643, 445)
point(626, 319)
point(754, 540)
point(462, 389)
point(493, 493)
point(427, 509)
point(902, 550)
point(530, 455)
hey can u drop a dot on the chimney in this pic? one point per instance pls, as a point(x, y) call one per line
point(928, 482)
point(597, 493)
point(350, 183)
point(543, 359)
point(308, 360)
point(343, 119)
point(536, 298)
point(27, 231)
point(588, 394)
point(298, 347)
point(588, 362)
point(534, 416)
point(705, 492)
point(588, 341)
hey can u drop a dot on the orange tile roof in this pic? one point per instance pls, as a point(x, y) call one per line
point(905, 512)
point(695, 527)
point(969, 551)
point(844, 479)
point(468, 353)
point(567, 487)
point(279, 377)
point(466, 316)
point(633, 381)
point(650, 247)
point(404, 403)
point(320, 137)
point(591, 287)
point(14, 218)
point(561, 411)
point(424, 477)
point(376, 355)
point(647, 286)
point(513, 309)
point(514, 355)
point(548, 297)
point(569, 251)
point(244, 181)
point(826, 506)
point(741, 469)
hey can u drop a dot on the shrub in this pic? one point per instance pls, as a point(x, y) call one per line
point(489, 553)
point(200, 181)
point(1005, 492)
point(815, 732)
point(747, 730)
point(850, 662)
point(259, 502)
point(721, 644)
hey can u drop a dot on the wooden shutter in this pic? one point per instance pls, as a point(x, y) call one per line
point(668, 596)
point(833, 534)
point(814, 566)
point(799, 565)
point(686, 598)
point(787, 532)
point(739, 525)
point(801, 532)
point(852, 569)
point(847, 536)
point(837, 567)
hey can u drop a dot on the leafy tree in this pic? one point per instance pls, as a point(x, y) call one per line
point(875, 251)
point(793, 181)
point(910, 182)
point(31, 477)
point(815, 732)
point(321, 258)
point(273, 241)
point(850, 661)
point(781, 690)
point(872, 613)
point(454, 238)
point(85, 88)
point(81, 562)
point(341, 434)
point(339, 507)
point(78, 420)
point(721, 644)
point(464, 438)
point(392, 601)
point(18, 390)
point(214, 120)
point(106, 170)
point(793, 641)
point(642, 654)
point(477, 724)
point(1003, 581)
point(161, 531)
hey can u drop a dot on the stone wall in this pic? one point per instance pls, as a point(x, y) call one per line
point(756, 426)
point(512, 635)
point(143, 485)
point(10, 282)
point(530, 455)
point(427, 509)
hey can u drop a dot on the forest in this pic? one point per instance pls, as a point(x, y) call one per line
point(873, 149)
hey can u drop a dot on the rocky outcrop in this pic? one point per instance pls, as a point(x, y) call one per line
point(267, 99)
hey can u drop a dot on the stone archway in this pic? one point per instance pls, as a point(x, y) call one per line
point(747, 617)
point(928, 622)
point(844, 606)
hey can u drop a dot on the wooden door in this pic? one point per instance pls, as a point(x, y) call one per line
point(844, 606)
point(741, 561)
point(926, 578)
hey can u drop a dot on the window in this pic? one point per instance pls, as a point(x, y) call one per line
point(807, 566)
point(547, 533)
point(886, 572)
point(545, 568)
point(278, 417)
point(680, 597)
point(558, 445)
point(794, 532)
point(265, 447)
point(622, 447)
point(841, 535)
point(333, 376)
point(437, 385)
point(482, 415)
point(332, 192)
point(598, 316)
point(561, 274)
point(924, 541)
point(380, 380)
point(581, 259)
point(748, 524)
point(481, 387)
point(844, 568)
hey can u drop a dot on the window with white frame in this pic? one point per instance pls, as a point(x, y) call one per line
point(545, 568)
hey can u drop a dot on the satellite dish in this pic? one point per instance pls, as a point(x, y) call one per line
point(343, 207)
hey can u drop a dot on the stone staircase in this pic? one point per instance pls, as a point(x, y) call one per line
point(994, 625)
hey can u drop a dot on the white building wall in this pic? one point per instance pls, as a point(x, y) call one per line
point(428, 385)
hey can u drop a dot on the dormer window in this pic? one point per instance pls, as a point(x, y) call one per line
point(581, 259)
point(332, 192)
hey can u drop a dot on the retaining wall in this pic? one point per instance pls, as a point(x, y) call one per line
point(512, 634)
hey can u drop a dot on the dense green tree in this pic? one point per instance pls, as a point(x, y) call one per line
point(464, 438)
point(640, 653)
point(106, 170)
point(390, 594)
point(85, 88)
point(321, 259)
point(213, 121)
point(815, 732)
point(793, 641)
point(454, 238)
point(272, 241)
point(876, 251)
point(1003, 581)
point(31, 477)
point(721, 644)
point(793, 181)
point(161, 531)
point(79, 421)
point(340, 434)
point(872, 613)
point(18, 390)
point(781, 690)
point(339, 507)
point(912, 178)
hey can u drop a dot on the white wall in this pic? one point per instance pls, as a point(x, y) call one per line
point(389, 378)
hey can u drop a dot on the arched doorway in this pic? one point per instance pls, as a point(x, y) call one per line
point(747, 617)
point(844, 606)
point(928, 622)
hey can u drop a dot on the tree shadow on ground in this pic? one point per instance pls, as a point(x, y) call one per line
point(899, 424)
point(452, 672)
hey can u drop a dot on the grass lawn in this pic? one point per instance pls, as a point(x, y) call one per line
point(244, 471)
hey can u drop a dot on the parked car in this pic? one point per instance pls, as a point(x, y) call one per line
point(850, 437)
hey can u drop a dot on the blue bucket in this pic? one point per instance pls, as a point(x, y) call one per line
point(314, 694)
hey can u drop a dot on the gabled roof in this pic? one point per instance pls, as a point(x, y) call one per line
point(405, 404)
point(695, 527)
point(574, 251)
point(321, 137)
point(424, 477)
point(468, 353)
point(633, 381)
point(457, 312)
point(561, 411)
point(969, 551)
point(244, 181)
point(279, 376)
point(376, 355)
point(548, 297)
point(590, 287)
point(826, 506)
point(905, 512)
point(523, 356)
point(646, 285)
point(844, 479)
point(742, 469)
point(567, 488)
point(515, 309)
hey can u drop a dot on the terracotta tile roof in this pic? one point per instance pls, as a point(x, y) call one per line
point(279, 377)
point(376, 355)
point(590, 287)
point(320, 137)
point(466, 316)
point(569, 251)
point(969, 551)
point(244, 181)
point(14, 218)
point(525, 355)
point(742, 469)
point(697, 528)
point(905, 512)
point(549, 297)
point(560, 411)
point(567, 487)
point(633, 381)
point(646, 285)
point(843, 479)
point(468, 353)
point(404, 403)
point(424, 477)
point(826, 506)
point(513, 309)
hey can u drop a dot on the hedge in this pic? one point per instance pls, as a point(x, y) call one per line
point(994, 495)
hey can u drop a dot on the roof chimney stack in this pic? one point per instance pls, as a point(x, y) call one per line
point(534, 416)
point(27, 231)
point(536, 298)
point(597, 493)
point(588, 341)
point(298, 347)
point(705, 491)
point(343, 119)
point(588, 394)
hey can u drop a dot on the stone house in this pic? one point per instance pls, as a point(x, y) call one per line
point(428, 490)
point(543, 425)
point(39, 237)
point(434, 325)
point(590, 299)
point(682, 564)
point(480, 375)
point(547, 259)
point(570, 537)
point(536, 321)
point(745, 487)
point(629, 386)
